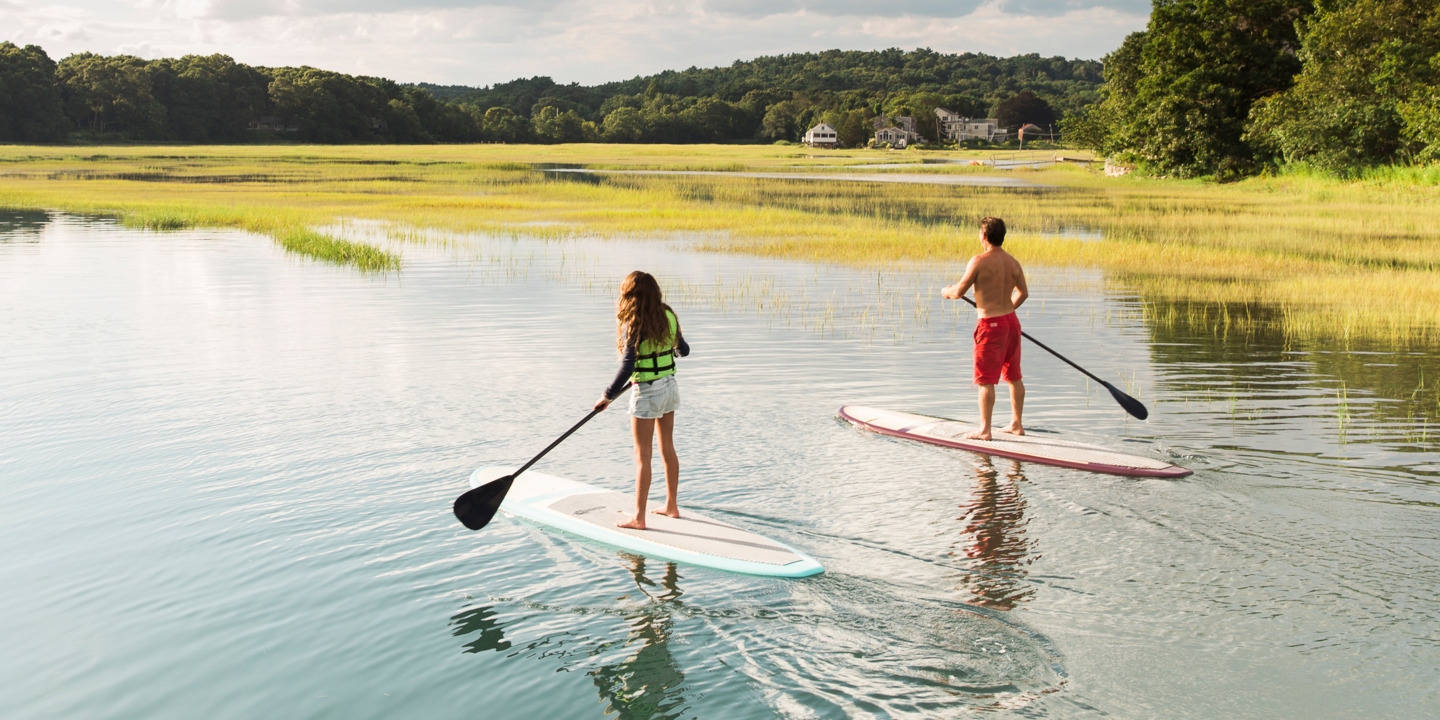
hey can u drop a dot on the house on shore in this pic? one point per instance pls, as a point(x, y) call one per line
point(959, 129)
point(271, 123)
point(822, 136)
point(899, 131)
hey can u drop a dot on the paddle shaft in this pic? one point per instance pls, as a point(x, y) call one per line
point(558, 440)
point(478, 505)
point(1047, 349)
point(1130, 404)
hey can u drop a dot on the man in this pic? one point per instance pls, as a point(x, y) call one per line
point(999, 284)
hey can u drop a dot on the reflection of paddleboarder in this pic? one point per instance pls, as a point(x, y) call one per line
point(995, 538)
point(648, 337)
point(999, 284)
point(648, 683)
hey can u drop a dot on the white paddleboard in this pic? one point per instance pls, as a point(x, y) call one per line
point(591, 512)
point(1040, 449)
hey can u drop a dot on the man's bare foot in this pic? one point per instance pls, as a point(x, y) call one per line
point(1014, 428)
point(635, 523)
point(668, 512)
point(978, 435)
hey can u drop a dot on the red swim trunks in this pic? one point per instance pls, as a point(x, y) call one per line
point(997, 349)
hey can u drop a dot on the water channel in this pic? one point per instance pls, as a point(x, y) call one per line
point(226, 476)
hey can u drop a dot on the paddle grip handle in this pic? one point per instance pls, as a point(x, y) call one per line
point(558, 440)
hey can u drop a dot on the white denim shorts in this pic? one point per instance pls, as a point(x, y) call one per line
point(653, 400)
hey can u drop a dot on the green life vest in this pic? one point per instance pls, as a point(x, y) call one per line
point(653, 359)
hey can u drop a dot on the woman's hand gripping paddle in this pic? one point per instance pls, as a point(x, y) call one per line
point(476, 507)
point(1131, 405)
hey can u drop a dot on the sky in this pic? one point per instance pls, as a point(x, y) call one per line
point(482, 42)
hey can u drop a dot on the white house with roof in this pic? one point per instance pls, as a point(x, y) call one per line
point(955, 127)
point(822, 135)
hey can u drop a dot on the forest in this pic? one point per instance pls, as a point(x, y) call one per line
point(1210, 88)
point(1225, 89)
point(213, 99)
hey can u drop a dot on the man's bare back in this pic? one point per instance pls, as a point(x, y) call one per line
point(999, 283)
point(1000, 288)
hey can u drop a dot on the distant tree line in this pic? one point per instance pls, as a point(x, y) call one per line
point(1227, 88)
point(213, 99)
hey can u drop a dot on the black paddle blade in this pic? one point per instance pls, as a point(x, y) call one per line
point(476, 507)
point(1130, 404)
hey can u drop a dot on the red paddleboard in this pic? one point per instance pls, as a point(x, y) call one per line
point(1047, 450)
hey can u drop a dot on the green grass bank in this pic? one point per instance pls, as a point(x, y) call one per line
point(1321, 258)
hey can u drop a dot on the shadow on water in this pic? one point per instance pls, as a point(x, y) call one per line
point(993, 542)
point(22, 226)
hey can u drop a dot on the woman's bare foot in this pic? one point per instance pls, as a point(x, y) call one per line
point(635, 523)
point(1014, 428)
point(978, 435)
point(668, 512)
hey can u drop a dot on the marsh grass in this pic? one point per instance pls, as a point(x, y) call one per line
point(321, 246)
point(1319, 258)
point(161, 220)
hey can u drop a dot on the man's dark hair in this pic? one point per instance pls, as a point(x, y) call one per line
point(993, 229)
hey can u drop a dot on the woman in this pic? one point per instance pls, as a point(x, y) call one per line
point(647, 334)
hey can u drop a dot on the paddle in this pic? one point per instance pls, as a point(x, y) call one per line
point(1131, 405)
point(476, 507)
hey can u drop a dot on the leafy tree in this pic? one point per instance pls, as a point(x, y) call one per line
point(554, 126)
point(623, 125)
point(1422, 120)
point(783, 120)
point(1370, 66)
point(503, 125)
point(713, 120)
point(207, 98)
point(1025, 107)
point(31, 109)
point(852, 127)
point(1178, 94)
point(110, 95)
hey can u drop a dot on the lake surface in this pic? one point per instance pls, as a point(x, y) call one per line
point(227, 475)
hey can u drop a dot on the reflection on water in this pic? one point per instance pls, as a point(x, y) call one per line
point(482, 620)
point(22, 226)
point(1356, 397)
point(993, 541)
point(647, 683)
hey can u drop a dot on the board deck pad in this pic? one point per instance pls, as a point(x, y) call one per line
point(690, 531)
point(1035, 448)
point(591, 512)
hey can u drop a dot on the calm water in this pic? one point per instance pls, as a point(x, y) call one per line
point(227, 476)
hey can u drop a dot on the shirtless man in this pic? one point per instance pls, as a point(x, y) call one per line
point(999, 284)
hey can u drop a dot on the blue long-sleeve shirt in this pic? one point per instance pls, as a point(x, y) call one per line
point(627, 365)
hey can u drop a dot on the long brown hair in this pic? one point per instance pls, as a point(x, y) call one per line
point(640, 313)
